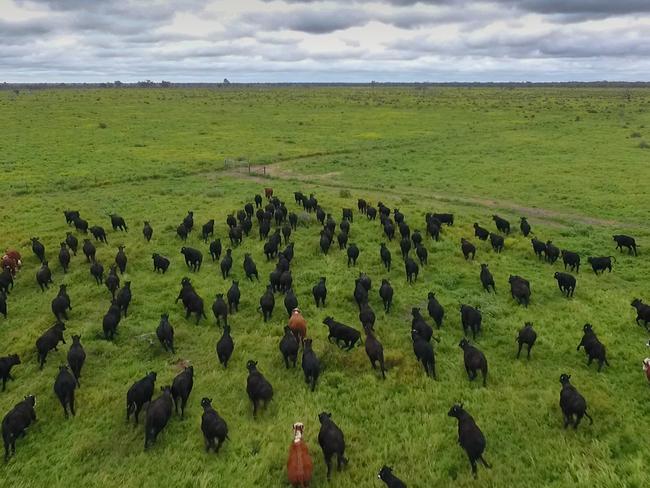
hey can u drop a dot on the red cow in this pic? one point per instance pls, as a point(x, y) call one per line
point(298, 324)
point(268, 193)
point(299, 464)
point(12, 260)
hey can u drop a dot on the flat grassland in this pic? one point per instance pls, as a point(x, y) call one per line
point(572, 160)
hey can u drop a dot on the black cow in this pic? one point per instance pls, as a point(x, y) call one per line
point(112, 280)
point(160, 262)
point(123, 298)
point(76, 357)
point(212, 426)
point(121, 259)
point(552, 252)
point(182, 387)
point(3, 303)
point(474, 360)
point(64, 386)
point(412, 269)
point(258, 387)
point(258, 200)
point(220, 309)
point(371, 213)
point(468, 248)
point(360, 293)
point(250, 268)
point(64, 257)
point(38, 248)
point(225, 346)
point(480, 232)
point(70, 216)
point(420, 325)
point(111, 320)
point(332, 442)
point(234, 296)
point(601, 263)
point(386, 294)
point(72, 242)
point(341, 333)
point(140, 393)
point(235, 235)
point(97, 272)
point(374, 350)
point(566, 283)
point(384, 253)
point(470, 437)
point(528, 336)
point(44, 276)
point(159, 412)
point(147, 230)
point(387, 476)
point(497, 242)
point(267, 303)
point(165, 333)
point(207, 230)
point(89, 250)
point(502, 224)
point(539, 247)
point(524, 226)
point(422, 254)
point(642, 312)
point(470, 318)
point(436, 311)
point(118, 222)
point(193, 258)
point(353, 254)
point(571, 259)
point(290, 301)
point(572, 403)
point(593, 347)
point(320, 292)
point(487, 280)
point(15, 423)
point(405, 246)
point(81, 225)
point(6, 363)
point(61, 303)
point(48, 341)
point(310, 364)
point(182, 232)
point(444, 218)
point(226, 264)
point(625, 241)
point(215, 249)
point(520, 289)
point(289, 347)
point(98, 233)
point(424, 353)
point(362, 205)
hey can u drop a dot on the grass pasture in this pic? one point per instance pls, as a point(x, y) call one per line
point(565, 157)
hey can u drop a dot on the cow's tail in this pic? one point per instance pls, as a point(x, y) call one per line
point(613, 257)
point(591, 421)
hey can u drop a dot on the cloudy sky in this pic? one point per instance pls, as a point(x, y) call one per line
point(324, 40)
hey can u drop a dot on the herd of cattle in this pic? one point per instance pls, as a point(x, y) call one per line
point(259, 389)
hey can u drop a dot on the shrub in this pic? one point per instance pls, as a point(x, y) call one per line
point(304, 219)
point(345, 193)
point(644, 145)
point(102, 125)
point(635, 134)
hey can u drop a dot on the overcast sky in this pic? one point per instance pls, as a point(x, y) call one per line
point(332, 40)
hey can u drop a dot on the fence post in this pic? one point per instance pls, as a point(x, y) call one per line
point(264, 170)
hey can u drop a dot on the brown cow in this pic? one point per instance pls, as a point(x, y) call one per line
point(12, 260)
point(268, 193)
point(298, 324)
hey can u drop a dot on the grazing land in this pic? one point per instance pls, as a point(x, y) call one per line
point(573, 160)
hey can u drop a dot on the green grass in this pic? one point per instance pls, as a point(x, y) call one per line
point(161, 154)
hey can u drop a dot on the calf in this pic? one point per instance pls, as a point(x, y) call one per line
point(99, 233)
point(520, 289)
point(539, 247)
point(474, 361)
point(528, 336)
point(226, 264)
point(470, 437)
point(220, 309)
point(6, 363)
point(15, 423)
point(38, 248)
point(387, 476)
point(160, 263)
point(480, 232)
point(118, 222)
point(289, 347)
point(571, 259)
point(234, 296)
point(121, 259)
point(467, 248)
point(72, 242)
point(572, 403)
point(225, 346)
point(310, 364)
point(353, 254)
point(44, 276)
point(552, 252)
point(436, 311)
point(193, 258)
point(424, 353)
point(147, 231)
point(386, 294)
point(341, 333)
point(89, 250)
point(140, 393)
point(625, 241)
point(267, 303)
point(502, 224)
point(497, 242)
point(64, 387)
point(207, 230)
point(159, 412)
point(412, 269)
point(258, 387)
point(374, 350)
point(320, 292)
point(48, 341)
point(165, 333)
point(566, 283)
point(97, 272)
point(182, 387)
point(470, 318)
point(215, 249)
point(111, 320)
point(76, 357)
point(524, 226)
point(332, 442)
point(593, 347)
point(601, 263)
point(642, 312)
point(64, 257)
point(487, 280)
point(214, 428)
